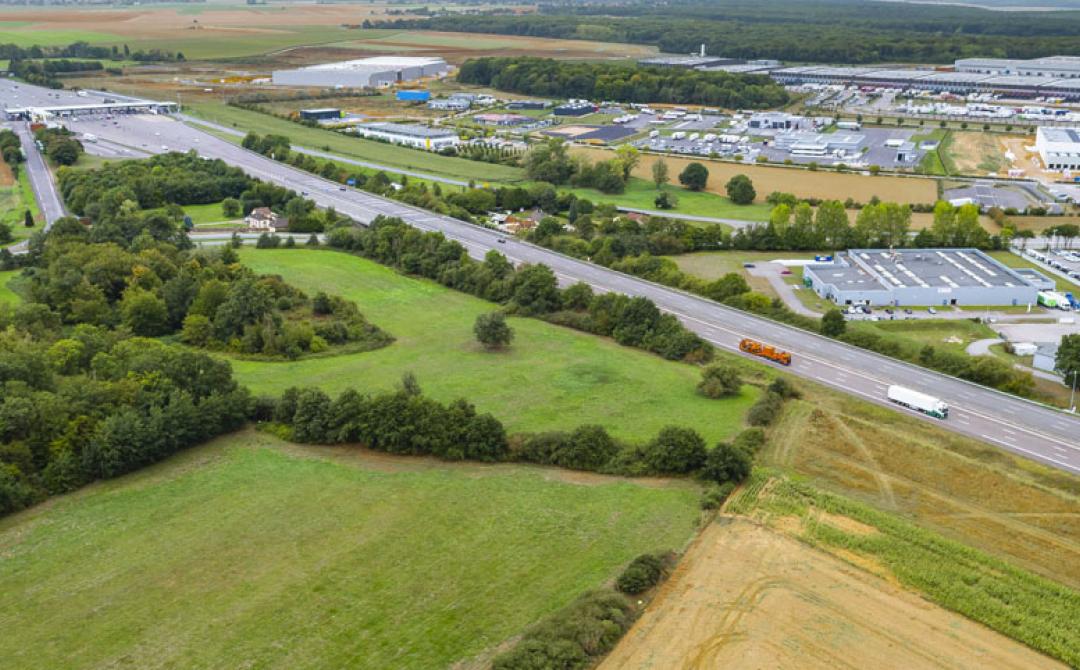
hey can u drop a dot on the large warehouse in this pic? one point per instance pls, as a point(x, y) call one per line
point(362, 73)
point(929, 277)
point(411, 135)
point(1059, 148)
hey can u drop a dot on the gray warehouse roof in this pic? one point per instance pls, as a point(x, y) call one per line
point(409, 130)
point(944, 268)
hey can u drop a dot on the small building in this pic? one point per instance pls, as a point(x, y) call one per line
point(410, 135)
point(450, 104)
point(263, 220)
point(413, 96)
point(777, 121)
point(907, 153)
point(1045, 357)
point(528, 104)
point(320, 114)
point(574, 108)
point(495, 119)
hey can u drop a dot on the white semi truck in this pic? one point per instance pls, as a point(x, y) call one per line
point(920, 402)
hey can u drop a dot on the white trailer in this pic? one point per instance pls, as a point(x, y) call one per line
point(920, 402)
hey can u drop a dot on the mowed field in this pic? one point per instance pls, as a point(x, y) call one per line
point(250, 552)
point(748, 596)
point(802, 183)
point(551, 378)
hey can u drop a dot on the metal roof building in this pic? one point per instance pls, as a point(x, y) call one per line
point(363, 72)
point(419, 137)
point(906, 277)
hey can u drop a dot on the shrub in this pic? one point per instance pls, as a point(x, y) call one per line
point(643, 573)
point(694, 177)
point(675, 451)
point(726, 463)
point(719, 381)
point(784, 388)
point(741, 190)
point(765, 410)
point(492, 331)
point(714, 497)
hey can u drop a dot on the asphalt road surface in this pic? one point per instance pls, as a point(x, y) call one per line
point(1025, 428)
point(41, 182)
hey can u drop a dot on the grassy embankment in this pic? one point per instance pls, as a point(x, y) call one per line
point(15, 198)
point(1012, 601)
point(551, 378)
point(248, 551)
point(7, 296)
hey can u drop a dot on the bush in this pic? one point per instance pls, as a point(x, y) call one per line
point(643, 573)
point(714, 497)
point(675, 451)
point(719, 381)
point(741, 190)
point(765, 410)
point(782, 387)
point(833, 323)
point(492, 331)
point(694, 177)
point(726, 463)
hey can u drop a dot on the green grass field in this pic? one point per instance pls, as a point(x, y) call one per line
point(711, 265)
point(943, 334)
point(640, 194)
point(355, 147)
point(14, 201)
point(551, 378)
point(50, 37)
point(249, 552)
point(7, 296)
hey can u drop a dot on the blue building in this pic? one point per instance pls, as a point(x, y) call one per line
point(414, 96)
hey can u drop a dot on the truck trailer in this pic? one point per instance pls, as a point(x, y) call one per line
point(765, 351)
point(920, 402)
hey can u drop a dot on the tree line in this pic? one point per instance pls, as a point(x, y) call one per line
point(83, 50)
point(825, 31)
point(622, 83)
point(531, 290)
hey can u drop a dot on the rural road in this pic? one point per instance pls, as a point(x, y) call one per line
point(1023, 427)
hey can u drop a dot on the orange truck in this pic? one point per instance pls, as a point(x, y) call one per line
point(765, 351)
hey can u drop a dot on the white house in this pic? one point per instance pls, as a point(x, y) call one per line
point(262, 220)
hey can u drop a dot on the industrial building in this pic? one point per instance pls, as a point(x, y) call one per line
point(1059, 148)
point(363, 73)
point(930, 277)
point(321, 114)
point(574, 108)
point(450, 104)
point(418, 137)
point(688, 62)
point(1054, 77)
point(528, 104)
point(820, 144)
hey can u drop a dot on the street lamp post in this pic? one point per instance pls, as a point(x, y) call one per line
point(1072, 395)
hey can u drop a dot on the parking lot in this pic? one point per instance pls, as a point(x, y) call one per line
point(1065, 261)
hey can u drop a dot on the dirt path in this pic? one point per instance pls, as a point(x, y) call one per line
point(748, 597)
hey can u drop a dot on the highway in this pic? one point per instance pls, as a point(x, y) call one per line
point(1022, 427)
point(41, 181)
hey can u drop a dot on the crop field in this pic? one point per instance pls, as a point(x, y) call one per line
point(355, 147)
point(251, 552)
point(746, 594)
point(968, 491)
point(802, 183)
point(551, 378)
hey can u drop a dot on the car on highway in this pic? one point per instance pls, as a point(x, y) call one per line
point(501, 240)
point(931, 310)
point(907, 311)
point(785, 271)
point(748, 265)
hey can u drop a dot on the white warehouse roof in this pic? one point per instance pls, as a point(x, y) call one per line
point(377, 62)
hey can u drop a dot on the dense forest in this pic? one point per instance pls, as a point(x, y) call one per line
point(611, 81)
point(826, 31)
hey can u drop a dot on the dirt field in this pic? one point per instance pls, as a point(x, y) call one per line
point(749, 597)
point(802, 183)
point(979, 153)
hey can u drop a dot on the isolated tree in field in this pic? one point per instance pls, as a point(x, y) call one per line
point(660, 174)
point(694, 176)
point(492, 330)
point(28, 219)
point(1067, 361)
point(719, 381)
point(741, 190)
point(833, 324)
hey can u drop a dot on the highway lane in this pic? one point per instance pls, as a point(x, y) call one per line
point(1029, 429)
point(41, 181)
